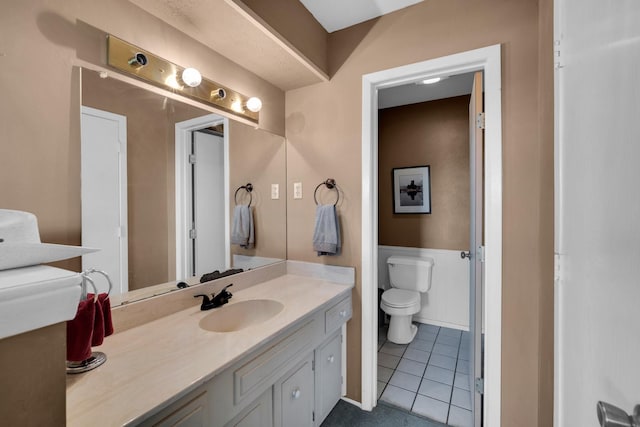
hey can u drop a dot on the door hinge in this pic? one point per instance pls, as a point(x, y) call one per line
point(192, 233)
point(557, 52)
point(479, 384)
point(480, 253)
point(480, 120)
point(313, 365)
point(557, 268)
point(313, 415)
point(192, 159)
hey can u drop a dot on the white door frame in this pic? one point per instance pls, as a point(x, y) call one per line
point(183, 188)
point(486, 59)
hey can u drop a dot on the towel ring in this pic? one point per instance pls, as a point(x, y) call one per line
point(104, 273)
point(330, 184)
point(249, 188)
point(84, 294)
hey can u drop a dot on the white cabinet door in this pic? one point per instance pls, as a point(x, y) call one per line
point(190, 411)
point(296, 397)
point(328, 377)
point(258, 414)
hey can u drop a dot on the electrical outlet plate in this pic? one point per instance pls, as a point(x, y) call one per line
point(275, 191)
point(297, 190)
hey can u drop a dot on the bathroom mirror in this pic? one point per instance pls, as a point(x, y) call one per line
point(159, 181)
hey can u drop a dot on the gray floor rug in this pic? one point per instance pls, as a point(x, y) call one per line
point(383, 415)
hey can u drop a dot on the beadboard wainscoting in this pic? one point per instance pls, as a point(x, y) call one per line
point(447, 302)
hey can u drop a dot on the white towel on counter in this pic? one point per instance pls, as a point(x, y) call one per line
point(242, 227)
point(326, 236)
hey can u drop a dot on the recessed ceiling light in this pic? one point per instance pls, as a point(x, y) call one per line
point(431, 81)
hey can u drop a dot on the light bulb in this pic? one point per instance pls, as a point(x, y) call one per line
point(191, 77)
point(254, 104)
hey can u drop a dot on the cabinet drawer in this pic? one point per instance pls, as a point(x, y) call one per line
point(337, 315)
point(265, 368)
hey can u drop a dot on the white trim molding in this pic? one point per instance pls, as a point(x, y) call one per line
point(486, 59)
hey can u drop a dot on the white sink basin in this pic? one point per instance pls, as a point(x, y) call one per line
point(240, 315)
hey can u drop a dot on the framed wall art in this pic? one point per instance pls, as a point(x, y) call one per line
point(411, 190)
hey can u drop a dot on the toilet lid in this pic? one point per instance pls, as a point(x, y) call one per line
point(400, 297)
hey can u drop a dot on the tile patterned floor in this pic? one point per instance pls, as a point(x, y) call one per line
point(429, 376)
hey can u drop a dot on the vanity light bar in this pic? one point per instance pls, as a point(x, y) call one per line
point(144, 65)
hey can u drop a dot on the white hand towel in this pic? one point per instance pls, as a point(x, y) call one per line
point(242, 227)
point(326, 236)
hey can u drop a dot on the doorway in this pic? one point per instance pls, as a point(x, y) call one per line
point(486, 60)
point(202, 179)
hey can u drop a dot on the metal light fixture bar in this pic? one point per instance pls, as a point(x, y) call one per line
point(145, 65)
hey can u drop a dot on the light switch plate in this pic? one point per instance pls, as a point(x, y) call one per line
point(297, 190)
point(275, 191)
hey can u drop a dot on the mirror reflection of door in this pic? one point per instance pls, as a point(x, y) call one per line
point(104, 194)
point(208, 222)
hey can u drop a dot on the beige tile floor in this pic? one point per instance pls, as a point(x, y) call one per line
point(429, 376)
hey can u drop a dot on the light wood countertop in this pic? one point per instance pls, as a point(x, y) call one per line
point(152, 365)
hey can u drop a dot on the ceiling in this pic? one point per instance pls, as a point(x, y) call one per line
point(238, 34)
point(243, 37)
point(413, 93)
point(336, 15)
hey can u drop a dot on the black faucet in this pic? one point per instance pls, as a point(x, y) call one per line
point(219, 300)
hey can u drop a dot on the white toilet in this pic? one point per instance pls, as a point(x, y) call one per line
point(409, 277)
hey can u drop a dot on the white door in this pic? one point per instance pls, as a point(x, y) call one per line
point(104, 194)
point(597, 294)
point(208, 211)
point(476, 174)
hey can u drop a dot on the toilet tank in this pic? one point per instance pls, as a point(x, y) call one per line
point(410, 273)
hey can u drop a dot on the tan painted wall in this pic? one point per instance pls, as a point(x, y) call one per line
point(259, 157)
point(324, 137)
point(297, 25)
point(432, 133)
point(32, 378)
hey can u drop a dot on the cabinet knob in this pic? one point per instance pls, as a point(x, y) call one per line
point(295, 394)
point(343, 313)
point(331, 359)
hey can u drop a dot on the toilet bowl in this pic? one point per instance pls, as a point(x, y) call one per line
point(409, 277)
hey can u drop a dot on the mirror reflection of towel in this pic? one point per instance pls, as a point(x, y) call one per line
point(326, 236)
point(242, 227)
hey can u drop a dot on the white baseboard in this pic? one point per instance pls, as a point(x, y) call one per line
point(439, 323)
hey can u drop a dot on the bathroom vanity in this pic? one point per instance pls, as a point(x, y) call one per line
point(282, 371)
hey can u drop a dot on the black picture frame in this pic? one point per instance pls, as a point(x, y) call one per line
point(411, 190)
